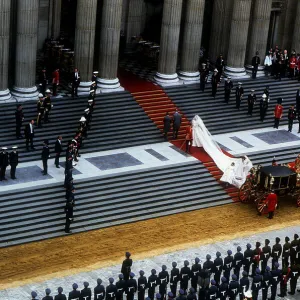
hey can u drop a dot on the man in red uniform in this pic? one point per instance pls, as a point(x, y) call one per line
point(278, 113)
point(55, 81)
point(292, 65)
point(272, 204)
point(188, 138)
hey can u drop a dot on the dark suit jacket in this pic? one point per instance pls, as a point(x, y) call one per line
point(167, 123)
point(58, 147)
point(176, 120)
point(74, 80)
point(27, 131)
point(45, 153)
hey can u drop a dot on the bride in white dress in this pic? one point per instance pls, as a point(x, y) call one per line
point(235, 170)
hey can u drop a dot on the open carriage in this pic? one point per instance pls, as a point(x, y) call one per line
point(261, 180)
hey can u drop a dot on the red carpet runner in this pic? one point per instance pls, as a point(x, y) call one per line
point(155, 102)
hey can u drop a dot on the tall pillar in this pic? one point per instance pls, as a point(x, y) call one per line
point(289, 24)
point(135, 18)
point(5, 11)
point(56, 18)
point(220, 28)
point(109, 45)
point(191, 43)
point(84, 42)
point(26, 49)
point(296, 35)
point(259, 32)
point(238, 38)
point(169, 40)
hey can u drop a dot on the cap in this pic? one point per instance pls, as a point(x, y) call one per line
point(268, 268)
point(186, 263)
point(239, 83)
point(218, 254)
point(99, 281)
point(239, 249)
point(48, 291)
point(192, 290)
point(234, 277)
point(111, 280)
point(86, 284)
point(213, 282)
point(121, 276)
point(245, 273)
point(142, 272)
point(229, 252)
point(90, 101)
point(287, 238)
point(223, 279)
point(75, 286)
point(14, 147)
point(264, 96)
point(249, 246)
point(127, 254)
point(276, 265)
point(257, 271)
point(181, 292)
point(60, 289)
point(170, 294)
point(267, 241)
point(131, 274)
point(153, 271)
point(41, 95)
point(95, 72)
point(158, 296)
point(174, 264)
point(48, 91)
point(33, 294)
point(197, 260)
point(4, 148)
point(164, 267)
point(215, 70)
point(82, 119)
point(208, 256)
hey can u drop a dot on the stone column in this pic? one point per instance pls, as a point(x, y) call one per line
point(289, 24)
point(109, 45)
point(26, 49)
point(220, 28)
point(191, 43)
point(296, 35)
point(56, 18)
point(84, 42)
point(169, 40)
point(259, 33)
point(135, 18)
point(238, 38)
point(5, 11)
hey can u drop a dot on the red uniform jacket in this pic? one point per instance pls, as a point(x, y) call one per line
point(55, 77)
point(272, 202)
point(278, 111)
point(189, 133)
point(293, 61)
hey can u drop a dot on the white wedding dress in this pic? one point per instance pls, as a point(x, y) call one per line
point(235, 175)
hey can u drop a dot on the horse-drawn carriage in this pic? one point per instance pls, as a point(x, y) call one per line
point(283, 180)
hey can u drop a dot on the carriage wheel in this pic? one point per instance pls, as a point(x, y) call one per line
point(262, 206)
point(298, 201)
point(245, 192)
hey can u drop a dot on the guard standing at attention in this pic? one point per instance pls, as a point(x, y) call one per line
point(227, 89)
point(215, 81)
point(251, 102)
point(45, 156)
point(142, 285)
point(163, 281)
point(174, 278)
point(13, 161)
point(239, 93)
point(126, 266)
point(278, 111)
point(3, 163)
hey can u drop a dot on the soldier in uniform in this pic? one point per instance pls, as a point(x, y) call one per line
point(94, 76)
point(223, 289)
point(75, 80)
point(265, 255)
point(227, 89)
point(294, 244)
point(48, 297)
point(228, 264)
point(19, 119)
point(181, 295)
point(294, 275)
point(276, 278)
point(74, 294)
point(239, 93)
point(131, 286)
point(167, 125)
point(121, 287)
point(256, 258)
point(276, 252)
point(69, 216)
point(203, 77)
point(163, 281)
point(174, 278)
point(286, 252)
point(142, 285)
point(212, 291)
point(91, 105)
point(43, 81)
point(111, 290)
point(255, 64)
point(58, 149)
point(248, 255)
point(192, 294)
point(3, 163)
point(82, 128)
point(93, 90)
point(291, 117)
point(233, 288)
point(86, 293)
point(220, 64)
point(185, 275)
point(244, 285)
point(256, 284)
point(263, 106)
point(286, 272)
point(60, 295)
point(45, 157)
point(238, 262)
point(278, 112)
point(40, 110)
point(152, 283)
point(196, 267)
point(267, 93)
point(48, 106)
point(13, 161)
point(88, 116)
point(126, 266)
point(170, 296)
point(266, 282)
point(251, 101)
point(99, 290)
point(215, 81)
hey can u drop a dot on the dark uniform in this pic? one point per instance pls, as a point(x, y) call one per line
point(86, 293)
point(228, 264)
point(233, 288)
point(251, 102)
point(223, 289)
point(99, 291)
point(244, 285)
point(215, 80)
point(163, 281)
point(276, 278)
point(239, 92)
point(111, 290)
point(131, 287)
point(13, 161)
point(45, 157)
point(40, 112)
point(212, 292)
point(286, 272)
point(248, 255)
point(265, 255)
point(75, 79)
point(196, 267)
point(185, 275)
point(291, 117)
point(263, 106)
point(255, 64)
point(43, 81)
point(175, 277)
point(256, 258)
point(294, 244)
point(126, 266)
point(19, 119)
point(58, 149)
point(227, 89)
point(276, 252)
point(142, 285)
point(286, 252)
point(48, 107)
point(74, 295)
point(60, 295)
point(238, 262)
point(266, 283)
point(69, 215)
point(220, 64)
point(167, 125)
point(203, 77)
point(256, 284)
point(29, 134)
point(3, 163)
point(293, 276)
point(121, 287)
point(152, 283)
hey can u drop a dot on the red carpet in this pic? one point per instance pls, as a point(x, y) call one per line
point(155, 102)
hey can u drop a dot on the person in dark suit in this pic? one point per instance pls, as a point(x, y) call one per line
point(58, 149)
point(167, 125)
point(204, 72)
point(29, 135)
point(99, 290)
point(227, 88)
point(74, 294)
point(239, 93)
point(40, 110)
point(86, 293)
point(251, 101)
point(45, 157)
point(75, 79)
point(3, 163)
point(48, 106)
point(60, 295)
point(126, 266)
point(48, 297)
point(176, 123)
point(13, 161)
point(69, 218)
point(255, 64)
point(19, 119)
point(43, 81)
point(215, 81)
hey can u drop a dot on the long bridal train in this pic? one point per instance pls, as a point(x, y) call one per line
point(235, 170)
